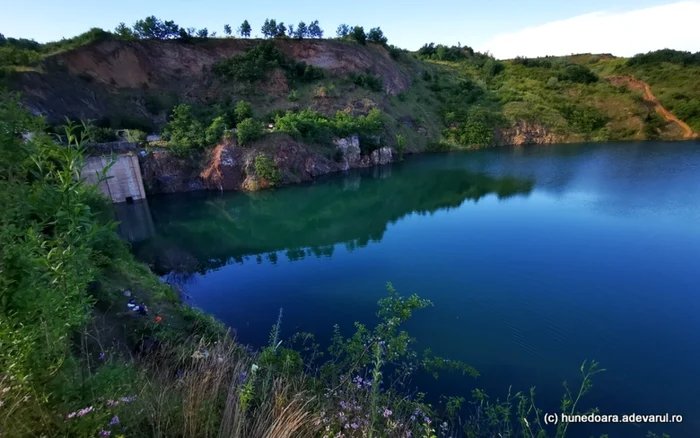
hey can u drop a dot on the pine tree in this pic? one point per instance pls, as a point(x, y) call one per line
point(227, 30)
point(245, 29)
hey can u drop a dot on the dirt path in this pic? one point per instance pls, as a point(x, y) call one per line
point(635, 84)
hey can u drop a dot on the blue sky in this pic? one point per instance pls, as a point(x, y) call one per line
point(504, 27)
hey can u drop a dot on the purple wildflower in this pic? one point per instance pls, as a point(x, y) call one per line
point(128, 399)
point(105, 432)
point(114, 421)
point(413, 418)
point(102, 356)
point(84, 411)
point(354, 425)
point(242, 377)
point(387, 412)
point(71, 415)
point(343, 405)
point(426, 420)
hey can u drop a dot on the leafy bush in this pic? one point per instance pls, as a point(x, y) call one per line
point(215, 131)
point(578, 73)
point(266, 169)
point(249, 130)
point(316, 127)
point(474, 128)
point(184, 133)
point(243, 110)
point(293, 96)
point(100, 135)
point(136, 136)
point(665, 55)
point(653, 125)
point(367, 80)
point(584, 119)
point(533, 62)
point(257, 61)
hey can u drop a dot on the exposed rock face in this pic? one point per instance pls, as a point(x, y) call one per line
point(231, 167)
point(381, 156)
point(350, 148)
point(522, 133)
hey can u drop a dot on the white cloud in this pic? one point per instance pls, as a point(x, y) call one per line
point(673, 26)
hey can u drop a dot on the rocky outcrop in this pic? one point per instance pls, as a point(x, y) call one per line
point(522, 133)
point(231, 167)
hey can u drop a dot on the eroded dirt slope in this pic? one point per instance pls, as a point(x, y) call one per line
point(113, 77)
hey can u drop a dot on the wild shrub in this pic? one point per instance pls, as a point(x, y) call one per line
point(367, 80)
point(314, 126)
point(266, 169)
point(248, 131)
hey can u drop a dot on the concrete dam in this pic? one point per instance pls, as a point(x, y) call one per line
point(123, 183)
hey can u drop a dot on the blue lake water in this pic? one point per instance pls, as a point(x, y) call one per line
point(536, 259)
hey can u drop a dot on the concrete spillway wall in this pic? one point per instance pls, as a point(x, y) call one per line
point(123, 183)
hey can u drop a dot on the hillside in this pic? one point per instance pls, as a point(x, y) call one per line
point(300, 94)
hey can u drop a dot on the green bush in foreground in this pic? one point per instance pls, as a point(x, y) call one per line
point(316, 127)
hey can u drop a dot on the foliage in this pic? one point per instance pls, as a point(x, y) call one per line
point(243, 110)
point(302, 31)
point(313, 126)
point(367, 80)
point(269, 28)
point(665, 55)
point(582, 118)
point(100, 135)
point(215, 131)
point(343, 31)
point(400, 145)
point(249, 130)
point(473, 128)
point(315, 30)
point(653, 124)
point(376, 35)
point(244, 29)
point(135, 136)
point(184, 132)
point(227, 30)
point(153, 28)
point(445, 53)
point(257, 61)
point(266, 169)
point(358, 34)
point(578, 73)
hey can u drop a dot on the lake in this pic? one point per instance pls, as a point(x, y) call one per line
point(536, 259)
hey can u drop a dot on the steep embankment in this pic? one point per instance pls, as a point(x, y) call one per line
point(635, 84)
point(128, 82)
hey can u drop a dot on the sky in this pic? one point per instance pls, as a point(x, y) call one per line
point(505, 28)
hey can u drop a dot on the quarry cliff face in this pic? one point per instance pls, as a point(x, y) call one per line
point(115, 77)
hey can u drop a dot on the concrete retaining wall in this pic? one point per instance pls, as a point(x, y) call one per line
point(124, 181)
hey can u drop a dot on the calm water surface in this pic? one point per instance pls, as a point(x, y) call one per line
point(535, 258)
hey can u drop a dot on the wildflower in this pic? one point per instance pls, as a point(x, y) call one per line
point(128, 399)
point(84, 411)
point(4, 390)
point(114, 421)
point(387, 412)
point(413, 418)
point(426, 420)
point(112, 403)
point(71, 415)
point(354, 425)
point(1, 403)
point(444, 426)
point(343, 405)
point(408, 434)
point(102, 356)
point(105, 432)
point(242, 377)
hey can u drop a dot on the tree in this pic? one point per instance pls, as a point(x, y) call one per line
point(342, 31)
point(290, 31)
point(152, 27)
point(227, 30)
point(358, 34)
point(376, 35)
point(248, 130)
point(302, 30)
point(203, 33)
point(269, 28)
point(123, 31)
point(281, 30)
point(243, 110)
point(183, 132)
point(315, 30)
point(245, 29)
point(216, 130)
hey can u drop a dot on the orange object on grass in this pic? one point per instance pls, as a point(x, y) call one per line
point(158, 319)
